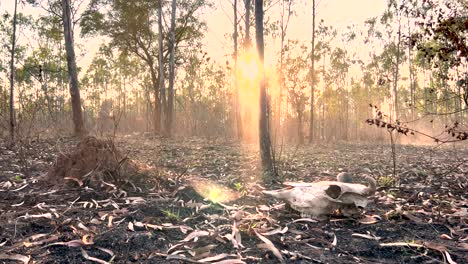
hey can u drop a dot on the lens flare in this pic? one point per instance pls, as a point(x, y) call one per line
point(214, 192)
point(249, 67)
point(248, 75)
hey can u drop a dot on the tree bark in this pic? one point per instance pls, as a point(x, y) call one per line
point(247, 5)
point(170, 99)
point(264, 131)
point(411, 75)
point(236, 85)
point(312, 81)
point(162, 89)
point(396, 74)
point(157, 100)
point(12, 77)
point(78, 122)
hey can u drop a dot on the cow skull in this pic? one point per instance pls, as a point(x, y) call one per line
point(322, 198)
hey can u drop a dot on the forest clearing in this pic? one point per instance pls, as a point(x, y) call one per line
point(230, 132)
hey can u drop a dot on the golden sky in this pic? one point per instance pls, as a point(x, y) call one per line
point(337, 13)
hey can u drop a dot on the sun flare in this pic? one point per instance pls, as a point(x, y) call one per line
point(249, 67)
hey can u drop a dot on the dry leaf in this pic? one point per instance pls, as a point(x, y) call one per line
point(109, 221)
point(214, 258)
point(445, 237)
point(229, 261)
point(371, 237)
point(269, 245)
point(18, 257)
point(40, 242)
point(195, 235)
point(86, 256)
point(130, 226)
point(276, 231)
point(310, 220)
point(369, 220)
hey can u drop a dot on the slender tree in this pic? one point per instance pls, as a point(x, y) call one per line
point(264, 131)
point(312, 77)
point(396, 74)
point(396, 69)
point(12, 76)
point(247, 5)
point(162, 89)
point(79, 129)
point(236, 85)
point(170, 99)
point(284, 22)
point(411, 74)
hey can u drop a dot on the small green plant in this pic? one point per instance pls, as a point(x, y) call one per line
point(171, 214)
point(238, 186)
point(392, 193)
point(18, 178)
point(386, 181)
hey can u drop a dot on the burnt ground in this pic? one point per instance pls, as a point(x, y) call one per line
point(162, 218)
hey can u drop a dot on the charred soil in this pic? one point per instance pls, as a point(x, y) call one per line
point(134, 200)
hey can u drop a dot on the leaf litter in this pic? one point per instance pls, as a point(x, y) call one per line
point(153, 212)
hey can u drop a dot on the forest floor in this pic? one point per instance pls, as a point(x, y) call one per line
point(200, 201)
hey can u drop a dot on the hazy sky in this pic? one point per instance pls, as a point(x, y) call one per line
point(338, 13)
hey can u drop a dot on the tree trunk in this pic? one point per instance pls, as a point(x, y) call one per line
point(157, 100)
point(170, 99)
point(72, 70)
point(411, 75)
point(395, 77)
point(312, 83)
point(300, 133)
point(236, 85)
point(162, 89)
point(12, 77)
point(283, 27)
point(264, 131)
point(247, 24)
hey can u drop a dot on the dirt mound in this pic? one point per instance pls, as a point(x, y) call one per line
point(93, 162)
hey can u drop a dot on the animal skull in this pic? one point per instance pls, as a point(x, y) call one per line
point(322, 198)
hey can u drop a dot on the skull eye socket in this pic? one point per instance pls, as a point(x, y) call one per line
point(334, 191)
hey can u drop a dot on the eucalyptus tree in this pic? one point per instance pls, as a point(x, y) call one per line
point(161, 81)
point(236, 84)
point(285, 15)
point(78, 121)
point(336, 77)
point(387, 63)
point(247, 7)
point(130, 26)
point(11, 53)
point(170, 102)
point(296, 77)
point(12, 75)
point(206, 109)
point(394, 4)
point(325, 34)
point(264, 130)
point(98, 78)
point(440, 40)
point(312, 78)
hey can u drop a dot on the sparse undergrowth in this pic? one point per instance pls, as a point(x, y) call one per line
point(422, 220)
